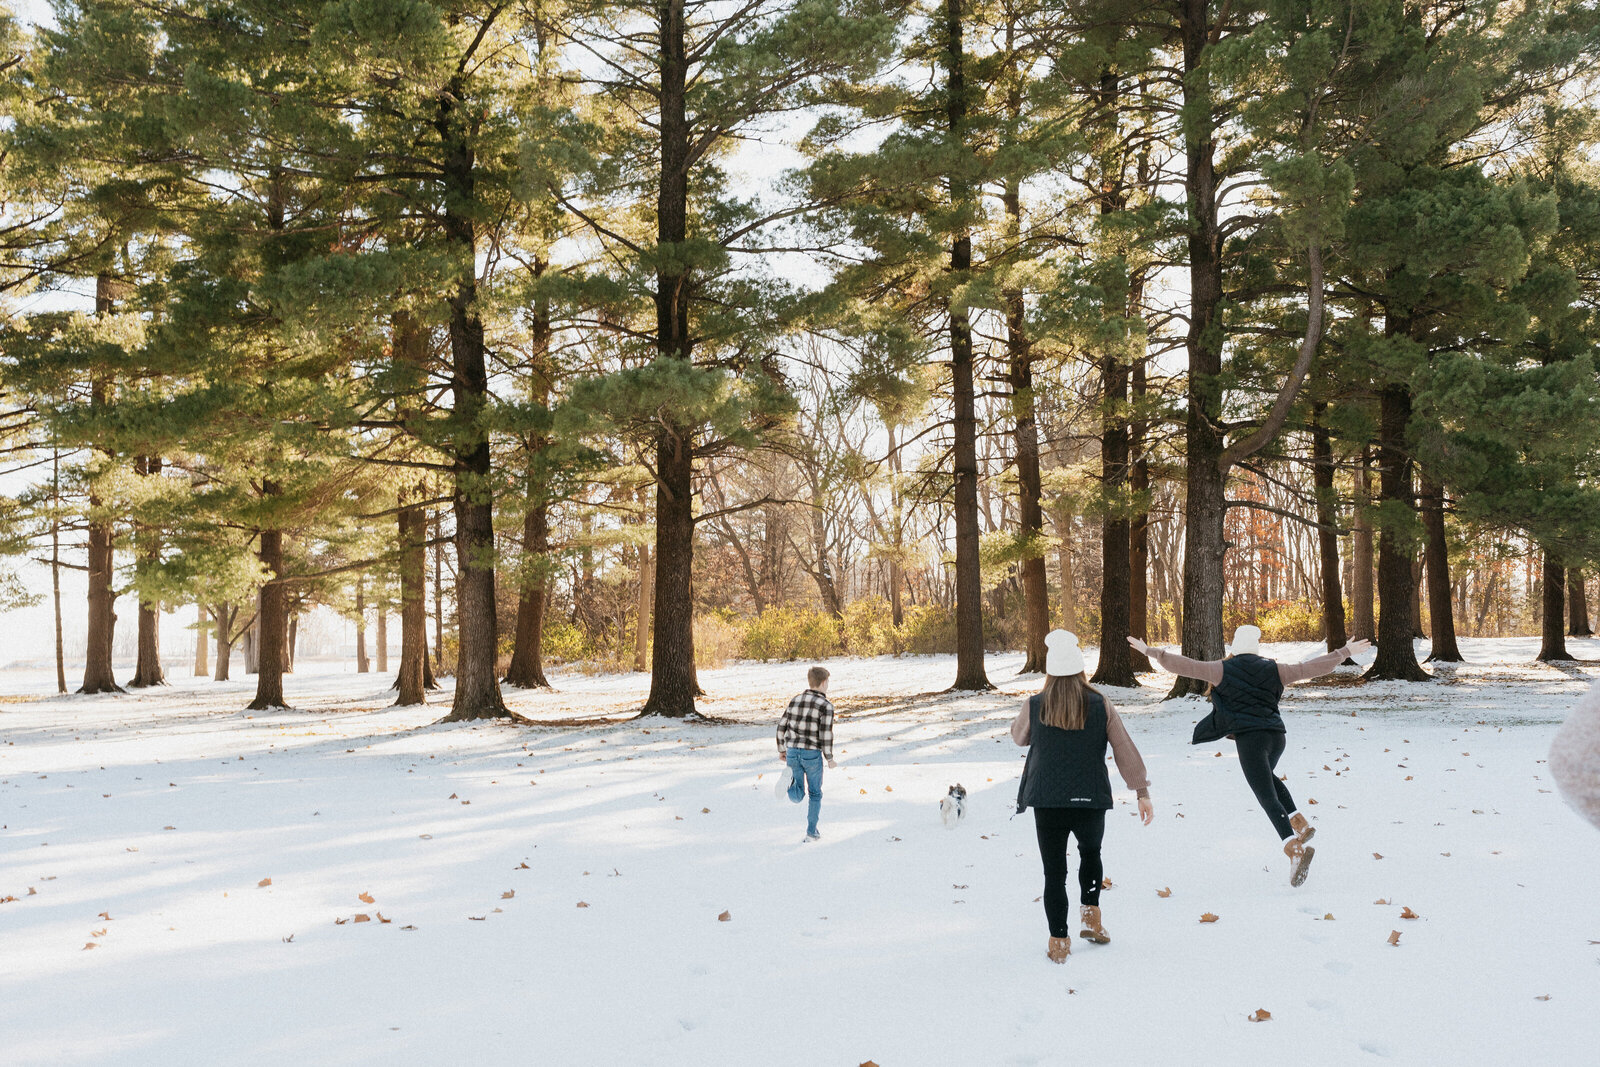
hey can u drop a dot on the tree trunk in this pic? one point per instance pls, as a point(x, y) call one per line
point(1204, 507)
point(272, 622)
point(526, 669)
point(1441, 606)
point(147, 671)
point(1552, 620)
point(226, 615)
point(363, 664)
point(1396, 658)
point(1577, 605)
point(251, 640)
point(1139, 528)
point(1364, 624)
point(412, 534)
point(1069, 593)
point(438, 602)
point(202, 643)
point(477, 693)
point(291, 643)
point(381, 639)
point(98, 674)
point(1333, 624)
point(1417, 633)
point(673, 685)
point(55, 566)
point(1115, 666)
point(647, 592)
point(970, 674)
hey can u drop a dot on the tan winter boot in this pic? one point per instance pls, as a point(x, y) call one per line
point(1060, 948)
point(1303, 830)
point(1092, 930)
point(1299, 854)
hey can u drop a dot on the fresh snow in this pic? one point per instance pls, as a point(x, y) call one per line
point(144, 824)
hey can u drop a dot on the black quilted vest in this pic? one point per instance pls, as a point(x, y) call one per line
point(1247, 698)
point(1066, 768)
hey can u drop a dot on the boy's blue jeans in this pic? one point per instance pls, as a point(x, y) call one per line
point(807, 762)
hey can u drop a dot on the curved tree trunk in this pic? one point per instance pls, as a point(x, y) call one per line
point(363, 663)
point(1552, 619)
point(1396, 658)
point(1441, 605)
point(1333, 623)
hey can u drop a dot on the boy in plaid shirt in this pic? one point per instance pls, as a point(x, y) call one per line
point(805, 739)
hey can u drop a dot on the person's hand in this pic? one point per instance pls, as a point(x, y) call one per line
point(1358, 646)
point(1138, 645)
point(831, 765)
point(1147, 810)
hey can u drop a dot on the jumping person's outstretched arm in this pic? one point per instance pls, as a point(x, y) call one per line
point(1320, 664)
point(1206, 670)
point(1129, 763)
point(1022, 726)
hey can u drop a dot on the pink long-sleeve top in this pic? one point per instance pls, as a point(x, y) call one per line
point(1210, 670)
point(1130, 765)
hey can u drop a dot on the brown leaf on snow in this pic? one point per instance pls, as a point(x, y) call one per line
point(98, 933)
point(263, 883)
point(8, 900)
point(1407, 913)
point(452, 796)
point(868, 1063)
point(1381, 900)
point(1164, 893)
point(361, 917)
point(888, 789)
point(88, 945)
point(522, 867)
point(32, 892)
point(583, 903)
point(381, 919)
point(863, 792)
point(1311, 800)
point(1328, 916)
point(1260, 1015)
point(169, 827)
point(478, 918)
point(508, 894)
point(1105, 883)
point(340, 922)
point(1394, 937)
point(1208, 918)
point(705, 811)
point(106, 915)
point(1545, 997)
point(365, 898)
point(1377, 855)
point(726, 916)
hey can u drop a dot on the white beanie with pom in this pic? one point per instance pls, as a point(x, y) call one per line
point(1062, 654)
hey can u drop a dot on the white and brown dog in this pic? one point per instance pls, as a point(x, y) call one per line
point(953, 807)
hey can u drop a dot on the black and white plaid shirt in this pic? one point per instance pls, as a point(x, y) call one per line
point(807, 723)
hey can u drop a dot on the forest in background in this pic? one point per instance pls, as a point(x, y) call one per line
point(649, 335)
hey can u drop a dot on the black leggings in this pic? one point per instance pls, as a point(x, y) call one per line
point(1258, 755)
point(1053, 825)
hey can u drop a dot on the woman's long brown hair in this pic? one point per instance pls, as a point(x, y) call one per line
point(1061, 700)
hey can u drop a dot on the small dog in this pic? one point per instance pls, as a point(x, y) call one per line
point(953, 806)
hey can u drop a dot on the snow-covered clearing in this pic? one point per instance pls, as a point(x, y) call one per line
point(551, 895)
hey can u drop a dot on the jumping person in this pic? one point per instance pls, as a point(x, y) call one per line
point(805, 739)
point(1245, 688)
point(1066, 727)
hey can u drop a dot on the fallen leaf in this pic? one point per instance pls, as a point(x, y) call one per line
point(508, 894)
point(169, 827)
point(1164, 893)
point(1377, 855)
point(106, 915)
point(1407, 913)
point(340, 922)
point(863, 792)
point(478, 918)
point(679, 818)
point(408, 928)
point(426, 837)
point(8, 900)
point(361, 917)
point(452, 796)
point(381, 919)
point(523, 867)
point(1311, 800)
point(365, 898)
point(1328, 916)
point(888, 789)
point(1260, 1015)
point(1208, 918)
point(87, 945)
point(868, 1063)
point(1446, 855)
point(1105, 883)
point(725, 917)
point(289, 940)
point(263, 883)
point(583, 903)
point(98, 933)
point(705, 811)
point(1545, 997)
point(1408, 777)
point(1394, 937)
point(1381, 900)
point(32, 892)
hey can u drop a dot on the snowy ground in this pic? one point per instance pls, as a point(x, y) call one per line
point(551, 895)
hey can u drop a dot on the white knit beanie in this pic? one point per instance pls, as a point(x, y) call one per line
point(1575, 757)
point(1247, 639)
point(1062, 654)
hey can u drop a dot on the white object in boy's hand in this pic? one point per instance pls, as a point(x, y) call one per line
point(785, 778)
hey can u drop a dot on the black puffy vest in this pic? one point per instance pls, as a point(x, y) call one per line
point(1247, 698)
point(1066, 768)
